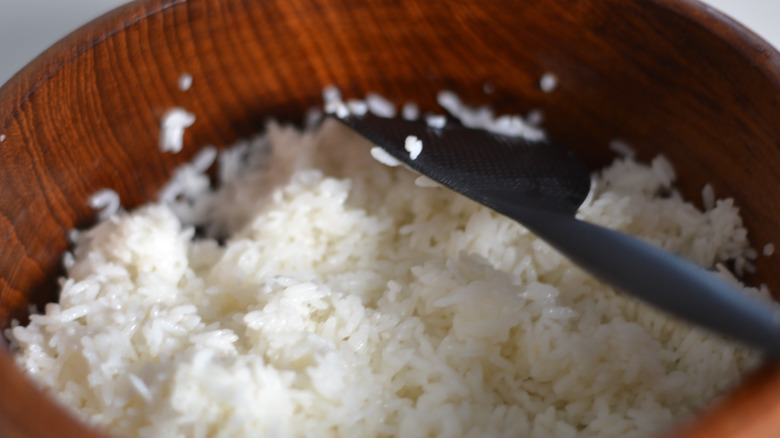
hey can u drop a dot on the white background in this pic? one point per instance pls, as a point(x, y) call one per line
point(27, 27)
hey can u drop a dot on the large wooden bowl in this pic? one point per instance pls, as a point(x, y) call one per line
point(668, 76)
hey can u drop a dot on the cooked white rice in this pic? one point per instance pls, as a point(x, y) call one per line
point(379, 106)
point(357, 107)
point(484, 118)
point(548, 83)
point(535, 117)
point(384, 157)
point(708, 197)
point(350, 302)
point(107, 203)
point(172, 126)
point(410, 111)
point(185, 82)
point(436, 121)
point(622, 148)
point(414, 146)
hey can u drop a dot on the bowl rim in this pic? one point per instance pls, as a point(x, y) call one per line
point(737, 35)
point(23, 84)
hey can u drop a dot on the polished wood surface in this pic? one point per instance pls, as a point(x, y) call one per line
point(666, 76)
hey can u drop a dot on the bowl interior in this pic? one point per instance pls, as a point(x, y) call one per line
point(667, 77)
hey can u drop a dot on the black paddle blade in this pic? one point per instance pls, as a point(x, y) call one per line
point(496, 170)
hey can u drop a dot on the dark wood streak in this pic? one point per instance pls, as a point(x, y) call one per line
point(668, 76)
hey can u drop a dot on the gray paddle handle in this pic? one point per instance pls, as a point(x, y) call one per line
point(659, 278)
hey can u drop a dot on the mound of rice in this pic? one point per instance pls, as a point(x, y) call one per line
point(346, 301)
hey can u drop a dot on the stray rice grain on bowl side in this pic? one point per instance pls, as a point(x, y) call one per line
point(314, 291)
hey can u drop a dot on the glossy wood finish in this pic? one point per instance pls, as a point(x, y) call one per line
point(666, 76)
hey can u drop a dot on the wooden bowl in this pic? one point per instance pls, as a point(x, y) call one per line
point(667, 76)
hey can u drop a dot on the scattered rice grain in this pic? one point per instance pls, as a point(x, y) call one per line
point(383, 157)
point(185, 82)
point(172, 127)
point(410, 111)
point(414, 146)
point(548, 83)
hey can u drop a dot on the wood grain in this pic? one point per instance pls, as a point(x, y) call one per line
point(666, 76)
